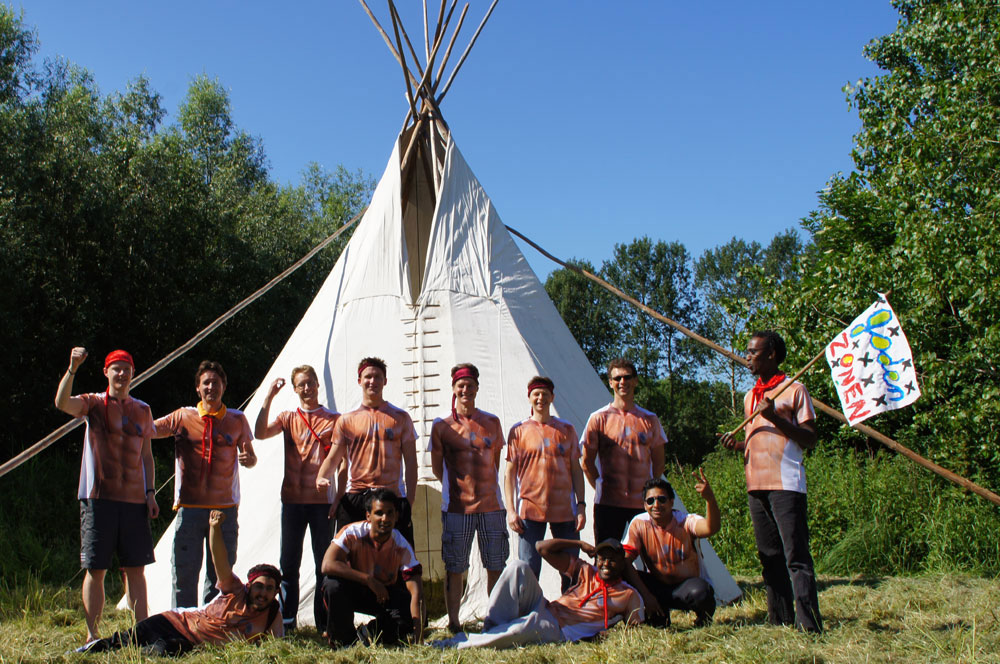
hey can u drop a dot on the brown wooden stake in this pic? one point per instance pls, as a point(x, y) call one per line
point(402, 58)
point(451, 44)
point(402, 29)
point(774, 396)
point(819, 405)
point(465, 53)
point(427, 38)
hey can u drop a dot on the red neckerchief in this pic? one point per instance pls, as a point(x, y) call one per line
point(603, 589)
point(761, 387)
point(326, 448)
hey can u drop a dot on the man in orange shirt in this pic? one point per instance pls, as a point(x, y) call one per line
point(543, 481)
point(598, 598)
point(307, 431)
point(776, 483)
point(665, 540)
point(242, 612)
point(209, 440)
point(623, 446)
point(380, 445)
point(370, 567)
point(117, 483)
point(465, 457)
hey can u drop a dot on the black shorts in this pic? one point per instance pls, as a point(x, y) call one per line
point(109, 526)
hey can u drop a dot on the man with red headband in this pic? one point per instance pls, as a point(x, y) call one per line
point(597, 598)
point(241, 613)
point(543, 481)
point(465, 457)
point(117, 483)
point(776, 483)
point(209, 441)
point(380, 445)
point(623, 446)
point(307, 431)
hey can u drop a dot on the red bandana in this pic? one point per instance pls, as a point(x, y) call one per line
point(118, 356)
point(603, 589)
point(464, 372)
point(761, 387)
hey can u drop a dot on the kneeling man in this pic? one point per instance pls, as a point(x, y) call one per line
point(665, 540)
point(370, 567)
point(241, 612)
point(518, 613)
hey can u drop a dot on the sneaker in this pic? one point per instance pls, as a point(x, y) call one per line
point(89, 646)
point(364, 636)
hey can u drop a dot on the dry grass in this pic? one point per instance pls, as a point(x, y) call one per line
point(937, 618)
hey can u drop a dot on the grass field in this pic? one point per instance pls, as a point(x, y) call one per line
point(937, 618)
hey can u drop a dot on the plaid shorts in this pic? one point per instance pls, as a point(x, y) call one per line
point(456, 539)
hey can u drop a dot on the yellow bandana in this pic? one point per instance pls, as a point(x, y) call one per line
point(219, 414)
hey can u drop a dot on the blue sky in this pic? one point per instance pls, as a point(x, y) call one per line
point(588, 123)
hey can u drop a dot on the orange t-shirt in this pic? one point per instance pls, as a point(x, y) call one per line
point(304, 453)
point(772, 461)
point(386, 561)
point(111, 466)
point(226, 618)
point(374, 438)
point(543, 455)
point(622, 443)
point(471, 450)
point(580, 610)
point(200, 483)
point(669, 553)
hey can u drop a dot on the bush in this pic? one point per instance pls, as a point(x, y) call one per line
point(878, 515)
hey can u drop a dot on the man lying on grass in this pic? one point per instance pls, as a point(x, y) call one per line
point(665, 540)
point(244, 612)
point(518, 613)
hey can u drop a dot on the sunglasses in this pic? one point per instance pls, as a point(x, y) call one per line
point(615, 379)
point(654, 500)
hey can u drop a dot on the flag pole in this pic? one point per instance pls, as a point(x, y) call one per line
point(778, 393)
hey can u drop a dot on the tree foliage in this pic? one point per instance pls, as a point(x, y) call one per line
point(918, 218)
point(118, 231)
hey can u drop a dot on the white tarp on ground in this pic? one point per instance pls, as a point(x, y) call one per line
point(480, 303)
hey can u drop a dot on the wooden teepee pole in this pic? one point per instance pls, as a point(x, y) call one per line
point(465, 53)
point(832, 412)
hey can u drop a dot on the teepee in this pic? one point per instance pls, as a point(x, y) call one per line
point(430, 278)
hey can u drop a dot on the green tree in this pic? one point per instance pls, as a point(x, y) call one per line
point(592, 313)
point(918, 218)
point(734, 280)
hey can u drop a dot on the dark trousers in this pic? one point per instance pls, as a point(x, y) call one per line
point(782, 534)
point(393, 622)
point(351, 508)
point(295, 517)
point(694, 594)
point(154, 631)
point(611, 522)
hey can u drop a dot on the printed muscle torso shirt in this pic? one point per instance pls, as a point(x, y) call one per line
point(207, 474)
point(304, 453)
point(543, 455)
point(622, 442)
point(772, 461)
point(581, 611)
point(374, 438)
point(669, 553)
point(387, 562)
point(226, 618)
point(111, 465)
point(470, 448)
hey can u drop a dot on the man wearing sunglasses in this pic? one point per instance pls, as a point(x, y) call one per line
point(665, 540)
point(622, 448)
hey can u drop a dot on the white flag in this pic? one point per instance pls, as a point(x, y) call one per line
point(872, 365)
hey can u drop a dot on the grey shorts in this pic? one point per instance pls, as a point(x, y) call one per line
point(457, 531)
point(110, 526)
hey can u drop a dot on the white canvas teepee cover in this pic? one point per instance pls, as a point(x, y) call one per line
point(479, 302)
